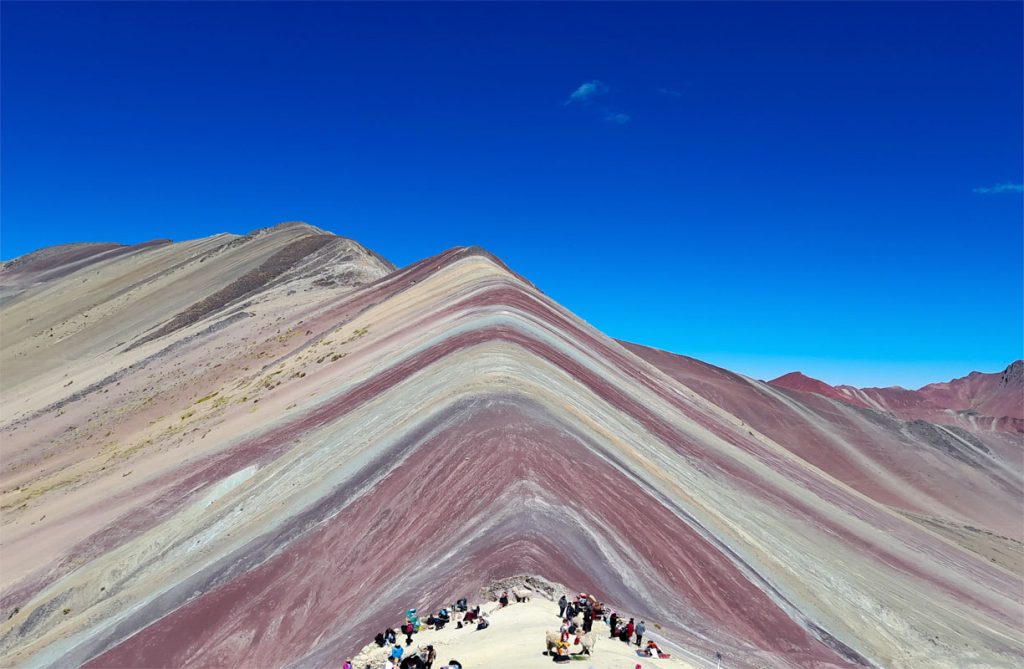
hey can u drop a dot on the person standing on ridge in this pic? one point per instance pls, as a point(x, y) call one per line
point(640, 629)
point(429, 656)
point(562, 603)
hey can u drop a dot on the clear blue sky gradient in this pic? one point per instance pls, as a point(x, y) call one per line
point(766, 187)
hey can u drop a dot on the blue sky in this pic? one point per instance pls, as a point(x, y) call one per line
point(828, 187)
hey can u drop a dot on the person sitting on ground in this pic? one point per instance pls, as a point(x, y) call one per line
point(438, 621)
point(461, 605)
point(396, 652)
point(561, 653)
point(412, 662)
point(471, 615)
point(483, 624)
point(390, 636)
point(652, 649)
point(379, 640)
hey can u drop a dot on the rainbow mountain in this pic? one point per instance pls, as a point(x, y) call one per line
point(252, 451)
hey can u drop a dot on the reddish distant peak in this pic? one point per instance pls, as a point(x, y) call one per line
point(1012, 375)
point(797, 379)
point(801, 382)
point(998, 395)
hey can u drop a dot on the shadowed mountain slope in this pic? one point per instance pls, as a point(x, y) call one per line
point(267, 480)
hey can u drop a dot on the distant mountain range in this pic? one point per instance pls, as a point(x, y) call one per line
point(258, 450)
point(978, 400)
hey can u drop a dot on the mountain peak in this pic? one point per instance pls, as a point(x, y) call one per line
point(214, 435)
point(1014, 374)
point(800, 382)
point(994, 399)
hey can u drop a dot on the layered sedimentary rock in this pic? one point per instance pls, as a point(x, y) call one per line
point(992, 402)
point(254, 451)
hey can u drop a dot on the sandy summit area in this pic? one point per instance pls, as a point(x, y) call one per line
point(515, 640)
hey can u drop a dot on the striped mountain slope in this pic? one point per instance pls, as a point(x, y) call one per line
point(253, 451)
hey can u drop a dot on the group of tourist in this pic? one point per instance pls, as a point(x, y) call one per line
point(578, 619)
point(460, 613)
point(577, 615)
point(577, 624)
point(624, 631)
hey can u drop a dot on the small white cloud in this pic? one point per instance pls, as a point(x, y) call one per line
point(587, 91)
point(669, 92)
point(1000, 188)
point(616, 117)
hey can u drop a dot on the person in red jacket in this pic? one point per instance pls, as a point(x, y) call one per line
point(629, 630)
